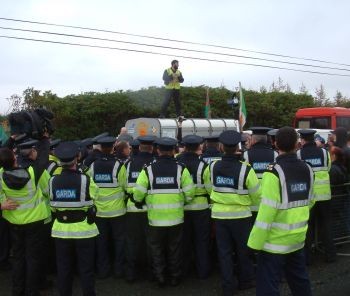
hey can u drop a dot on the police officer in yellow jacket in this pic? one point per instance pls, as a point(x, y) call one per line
point(280, 227)
point(137, 251)
point(54, 167)
point(109, 174)
point(320, 162)
point(27, 186)
point(71, 198)
point(211, 150)
point(172, 78)
point(233, 187)
point(166, 185)
point(259, 155)
point(197, 214)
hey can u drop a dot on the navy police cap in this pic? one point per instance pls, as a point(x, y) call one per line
point(67, 151)
point(320, 139)
point(166, 143)
point(306, 132)
point(30, 143)
point(95, 139)
point(272, 132)
point(87, 142)
point(212, 139)
point(134, 143)
point(106, 141)
point(230, 138)
point(192, 140)
point(260, 130)
point(54, 143)
point(147, 140)
point(125, 138)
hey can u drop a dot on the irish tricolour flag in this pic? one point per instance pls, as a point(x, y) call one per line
point(242, 108)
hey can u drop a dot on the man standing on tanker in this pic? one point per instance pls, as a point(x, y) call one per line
point(172, 78)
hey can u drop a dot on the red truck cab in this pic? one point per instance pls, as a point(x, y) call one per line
point(322, 118)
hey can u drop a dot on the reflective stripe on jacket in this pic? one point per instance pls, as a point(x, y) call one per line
point(31, 198)
point(166, 186)
point(111, 201)
point(233, 188)
point(287, 195)
point(76, 195)
point(320, 162)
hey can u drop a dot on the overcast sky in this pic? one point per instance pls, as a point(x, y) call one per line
point(313, 29)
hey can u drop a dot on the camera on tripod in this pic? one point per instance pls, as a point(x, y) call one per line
point(31, 123)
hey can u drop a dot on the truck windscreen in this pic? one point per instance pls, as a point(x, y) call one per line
point(314, 122)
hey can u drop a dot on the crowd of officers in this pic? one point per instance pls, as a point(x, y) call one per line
point(155, 213)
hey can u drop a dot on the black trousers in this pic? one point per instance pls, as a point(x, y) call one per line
point(272, 267)
point(166, 246)
point(69, 251)
point(321, 215)
point(137, 251)
point(27, 246)
point(112, 235)
point(196, 242)
point(4, 241)
point(171, 94)
point(232, 234)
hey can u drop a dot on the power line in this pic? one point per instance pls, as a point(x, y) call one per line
point(174, 48)
point(166, 54)
point(173, 40)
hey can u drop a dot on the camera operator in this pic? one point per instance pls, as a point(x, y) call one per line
point(24, 185)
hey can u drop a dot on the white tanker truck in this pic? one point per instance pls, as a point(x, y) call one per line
point(167, 127)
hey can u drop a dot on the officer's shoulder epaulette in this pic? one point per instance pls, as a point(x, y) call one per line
point(201, 160)
point(242, 161)
point(180, 163)
point(271, 167)
point(145, 165)
point(84, 169)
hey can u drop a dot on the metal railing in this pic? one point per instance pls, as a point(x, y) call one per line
point(340, 217)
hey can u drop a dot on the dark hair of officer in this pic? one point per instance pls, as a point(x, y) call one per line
point(7, 158)
point(286, 139)
point(146, 143)
point(192, 148)
point(162, 152)
point(212, 142)
point(173, 62)
point(146, 148)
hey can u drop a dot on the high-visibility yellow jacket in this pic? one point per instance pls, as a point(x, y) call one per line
point(166, 185)
point(54, 167)
point(287, 196)
point(233, 186)
point(320, 162)
point(176, 79)
point(111, 201)
point(19, 186)
point(72, 191)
